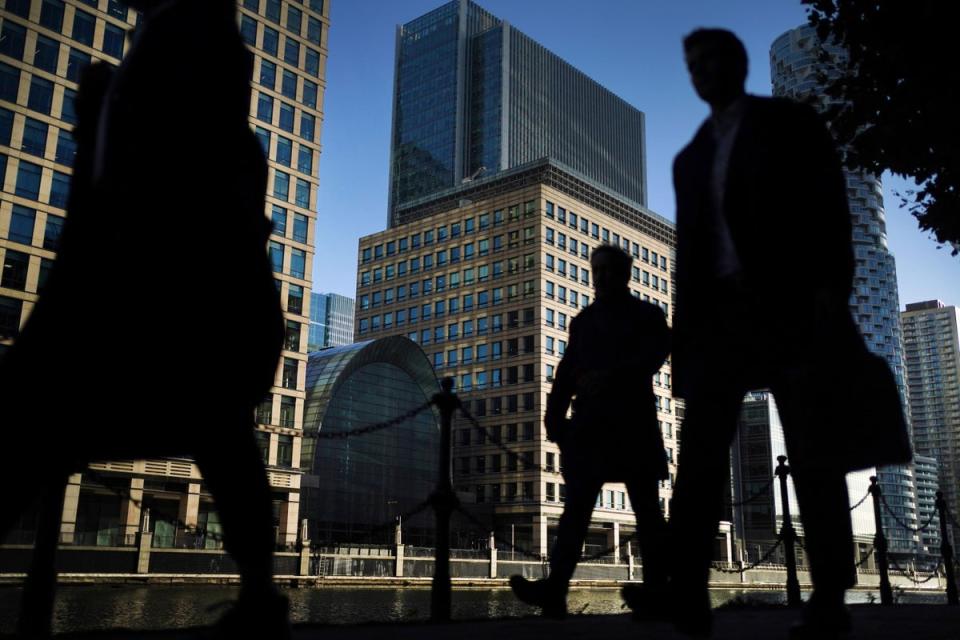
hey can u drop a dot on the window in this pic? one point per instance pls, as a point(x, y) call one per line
point(21, 225)
point(310, 91)
point(264, 107)
point(284, 451)
point(51, 231)
point(113, 37)
point(28, 180)
point(273, 11)
point(51, 14)
point(263, 137)
point(291, 340)
point(10, 84)
point(34, 137)
point(84, 25)
point(298, 263)
point(294, 19)
point(47, 53)
point(300, 227)
point(281, 185)
point(76, 62)
point(314, 30)
point(286, 117)
point(312, 62)
point(291, 369)
point(15, 266)
point(12, 38)
point(248, 31)
point(307, 126)
point(305, 160)
point(60, 189)
point(10, 311)
point(291, 53)
point(271, 40)
point(284, 151)
point(276, 256)
point(303, 193)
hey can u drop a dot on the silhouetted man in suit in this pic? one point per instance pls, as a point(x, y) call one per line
point(162, 328)
point(764, 271)
point(616, 345)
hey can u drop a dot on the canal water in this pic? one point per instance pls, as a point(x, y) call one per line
point(89, 607)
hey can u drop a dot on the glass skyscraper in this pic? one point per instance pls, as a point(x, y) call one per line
point(474, 96)
point(331, 321)
point(875, 306)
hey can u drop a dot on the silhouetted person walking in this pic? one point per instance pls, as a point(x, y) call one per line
point(161, 328)
point(764, 272)
point(616, 345)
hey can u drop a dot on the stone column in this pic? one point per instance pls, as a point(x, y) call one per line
point(71, 502)
point(289, 516)
point(540, 535)
point(130, 510)
point(190, 505)
point(493, 555)
point(613, 540)
point(631, 569)
point(304, 548)
point(145, 543)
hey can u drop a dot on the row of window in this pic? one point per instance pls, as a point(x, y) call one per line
point(299, 229)
point(298, 260)
point(294, 19)
point(284, 152)
point(46, 52)
point(286, 117)
point(562, 268)
point(40, 94)
point(270, 44)
point(284, 448)
point(482, 272)
point(35, 136)
point(267, 74)
point(281, 189)
point(51, 11)
point(16, 268)
point(603, 234)
point(29, 178)
point(285, 418)
point(445, 232)
point(23, 224)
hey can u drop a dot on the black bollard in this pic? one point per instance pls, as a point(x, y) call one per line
point(789, 537)
point(946, 550)
point(880, 544)
point(444, 502)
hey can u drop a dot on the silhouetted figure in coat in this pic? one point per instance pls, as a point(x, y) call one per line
point(616, 345)
point(161, 327)
point(764, 272)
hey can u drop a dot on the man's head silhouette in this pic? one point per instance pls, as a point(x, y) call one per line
point(611, 270)
point(717, 62)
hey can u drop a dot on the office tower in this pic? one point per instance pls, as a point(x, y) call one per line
point(331, 321)
point(932, 345)
point(758, 520)
point(473, 97)
point(874, 304)
point(486, 269)
point(43, 46)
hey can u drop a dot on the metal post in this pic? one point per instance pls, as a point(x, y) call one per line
point(444, 502)
point(946, 550)
point(789, 537)
point(880, 544)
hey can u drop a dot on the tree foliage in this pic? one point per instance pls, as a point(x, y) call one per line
point(898, 98)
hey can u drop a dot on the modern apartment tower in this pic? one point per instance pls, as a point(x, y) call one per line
point(474, 96)
point(794, 70)
point(931, 337)
point(486, 269)
point(331, 321)
point(43, 46)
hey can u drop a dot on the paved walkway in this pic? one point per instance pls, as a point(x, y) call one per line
point(871, 622)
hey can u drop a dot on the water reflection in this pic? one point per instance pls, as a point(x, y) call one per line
point(82, 608)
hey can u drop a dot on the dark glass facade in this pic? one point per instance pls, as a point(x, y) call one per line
point(355, 485)
point(474, 97)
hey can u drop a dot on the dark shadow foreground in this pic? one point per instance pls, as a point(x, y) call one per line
point(161, 326)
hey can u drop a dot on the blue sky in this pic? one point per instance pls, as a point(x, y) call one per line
point(632, 47)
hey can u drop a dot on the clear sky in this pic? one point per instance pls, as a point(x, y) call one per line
point(632, 47)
